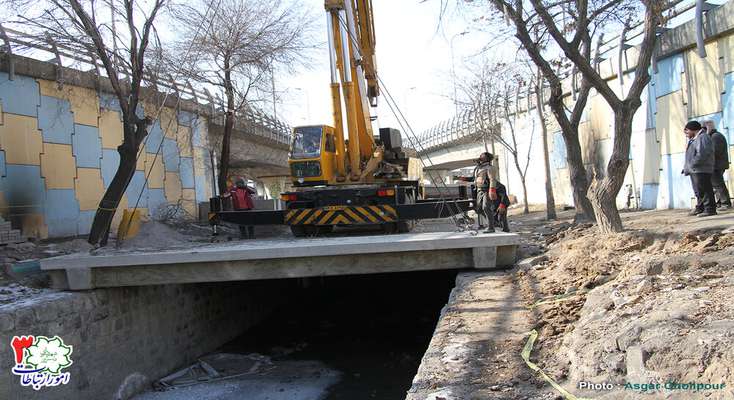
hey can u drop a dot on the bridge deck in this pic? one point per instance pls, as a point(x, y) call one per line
point(285, 258)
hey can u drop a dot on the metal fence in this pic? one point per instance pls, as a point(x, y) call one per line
point(252, 120)
point(463, 126)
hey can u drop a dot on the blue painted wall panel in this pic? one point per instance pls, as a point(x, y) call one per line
point(727, 105)
point(3, 171)
point(156, 199)
point(201, 192)
point(652, 105)
point(155, 136)
point(61, 212)
point(25, 191)
point(135, 188)
point(187, 173)
point(668, 78)
point(87, 146)
point(679, 186)
point(186, 118)
point(84, 224)
point(19, 96)
point(197, 135)
point(171, 159)
point(110, 102)
point(110, 163)
point(559, 151)
point(55, 120)
point(649, 196)
point(665, 192)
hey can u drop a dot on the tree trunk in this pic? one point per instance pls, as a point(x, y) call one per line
point(603, 194)
point(576, 170)
point(225, 154)
point(526, 209)
point(578, 177)
point(550, 200)
point(228, 128)
point(100, 229)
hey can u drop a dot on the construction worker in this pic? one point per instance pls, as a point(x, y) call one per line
point(721, 164)
point(241, 201)
point(485, 181)
point(500, 206)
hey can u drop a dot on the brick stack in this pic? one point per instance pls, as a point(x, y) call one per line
point(8, 234)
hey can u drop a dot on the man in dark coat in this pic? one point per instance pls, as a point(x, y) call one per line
point(721, 164)
point(485, 181)
point(699, 165)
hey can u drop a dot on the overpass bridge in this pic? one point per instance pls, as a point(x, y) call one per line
point(452, 144)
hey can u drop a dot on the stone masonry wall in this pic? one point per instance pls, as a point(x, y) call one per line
point(125, 338)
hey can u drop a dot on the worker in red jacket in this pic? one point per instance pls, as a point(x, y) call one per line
point(241, 201)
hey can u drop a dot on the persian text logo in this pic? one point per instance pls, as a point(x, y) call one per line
point(39, 360)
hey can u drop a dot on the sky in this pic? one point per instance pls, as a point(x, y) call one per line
point(413, 59)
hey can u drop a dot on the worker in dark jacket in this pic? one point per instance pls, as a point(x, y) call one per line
point(699, 165)
point(500, 207)
point(485, 181)
point(721, 164)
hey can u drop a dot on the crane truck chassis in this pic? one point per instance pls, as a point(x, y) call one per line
point(312, 212)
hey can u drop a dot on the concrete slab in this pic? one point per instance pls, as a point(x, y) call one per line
point(286, 258)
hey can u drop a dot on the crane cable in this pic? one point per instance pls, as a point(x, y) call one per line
point(160, 109)
point(403, 122)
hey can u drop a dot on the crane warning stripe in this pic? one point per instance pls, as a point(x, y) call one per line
point(313, 216)
point(352, 215)
point(343, 216)
point(367, 214)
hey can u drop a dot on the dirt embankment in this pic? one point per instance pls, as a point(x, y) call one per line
point(650, 306)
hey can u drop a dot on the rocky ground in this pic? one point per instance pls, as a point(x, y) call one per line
point(651, 305)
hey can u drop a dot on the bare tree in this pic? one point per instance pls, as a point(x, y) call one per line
point(526, 30)
point(568, 26)
point(246, 40)
point(78, 25)
point(480, 101)
point(568, 35)
point(550, 201)
point(512, 98)
point(492, 94)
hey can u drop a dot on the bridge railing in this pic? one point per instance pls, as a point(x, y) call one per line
point(463, 126)
point(252, 120)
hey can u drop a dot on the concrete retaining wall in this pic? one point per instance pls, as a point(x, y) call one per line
point(58, 154)
point(125, 338)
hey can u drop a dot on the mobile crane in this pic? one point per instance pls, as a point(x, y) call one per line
point(353, 178)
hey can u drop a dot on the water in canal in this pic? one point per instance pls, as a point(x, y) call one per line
point(338, 338)
point(372, 329)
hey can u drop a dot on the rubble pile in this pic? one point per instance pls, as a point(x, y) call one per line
point(648, 305)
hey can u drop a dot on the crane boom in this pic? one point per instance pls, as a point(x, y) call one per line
point(352, 56)
point(342, 174)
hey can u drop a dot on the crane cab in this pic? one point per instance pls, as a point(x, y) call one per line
point(312, 157)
